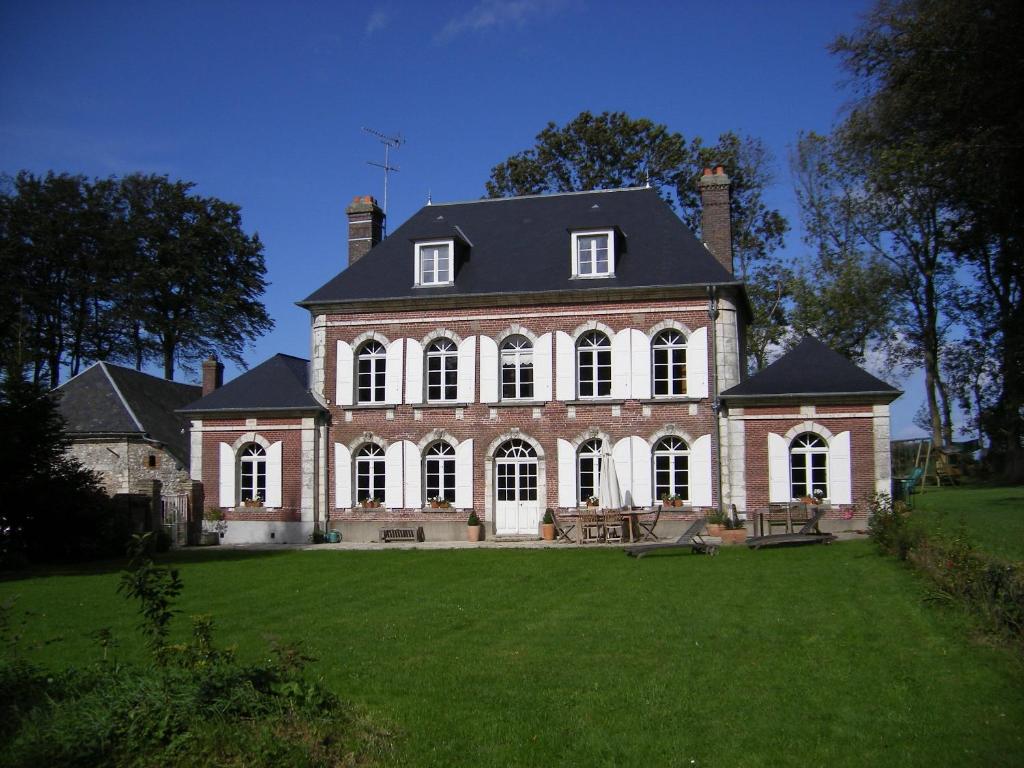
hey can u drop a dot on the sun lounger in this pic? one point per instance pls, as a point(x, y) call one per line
point(691, 539)
point(806, 535)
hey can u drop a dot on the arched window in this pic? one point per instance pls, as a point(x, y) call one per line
point(669, 357)
point(370, 368)
point(516, 368)
point(671, 469)
point(594, 365)
point(808, 466)
point(439, 471)
point(369, 473)
point(252, 473)
point(442, 370)
point(516, 468)
point(589, 470)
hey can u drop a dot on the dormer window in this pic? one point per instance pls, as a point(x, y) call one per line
point(434, 263)
point(593, 254)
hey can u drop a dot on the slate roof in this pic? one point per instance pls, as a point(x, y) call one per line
point(280, 383)
point(107, 399)
point(811, 368)
point(522, 245)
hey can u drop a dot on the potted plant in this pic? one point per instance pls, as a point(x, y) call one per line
point(473, 527)
point(735, 530)
point(547, 525)
point(256, 502)
point(716, 522)
point(592, 501)
point(370, 502)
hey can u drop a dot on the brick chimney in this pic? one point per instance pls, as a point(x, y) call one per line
point(213, 375)
point(714, 219)
point(365, 227)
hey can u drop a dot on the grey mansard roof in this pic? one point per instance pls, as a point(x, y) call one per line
point(280, 383)
point(522, 245)
point(811, 369)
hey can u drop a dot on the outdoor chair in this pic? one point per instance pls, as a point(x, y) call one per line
point(562, 529)
point(591, 526)
point(647, 524)
point(612, 525)
point(691, 539)
point(778, 516)
point(805, 535)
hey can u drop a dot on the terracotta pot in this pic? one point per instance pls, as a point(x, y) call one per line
point(736, 536)
point(547, 531)
point(715, 529)
point(473, 532)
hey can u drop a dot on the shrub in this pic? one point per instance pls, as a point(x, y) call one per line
point(473, 519)
point(549, 516)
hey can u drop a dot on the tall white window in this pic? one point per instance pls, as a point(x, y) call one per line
point(594, 365)
point(671, 468)
point(439, 472)
point(593, 254)
point(516, 368)
point(434, 263)
point(370, 466)
point(808, 466)
point(252, 473)
point(669, 358)
point(588, 463)
point(442, 371)
point(371, 365)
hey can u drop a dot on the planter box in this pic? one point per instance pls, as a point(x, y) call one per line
point(735, 536)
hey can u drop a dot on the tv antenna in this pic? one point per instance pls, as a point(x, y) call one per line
point(389, 142)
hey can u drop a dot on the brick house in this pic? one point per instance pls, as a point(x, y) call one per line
point(496, 355)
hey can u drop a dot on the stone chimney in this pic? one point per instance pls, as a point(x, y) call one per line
point(213, 375)
point(715, 226)
point(365, 227)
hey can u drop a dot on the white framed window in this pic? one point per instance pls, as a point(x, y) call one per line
point(594, 365)
point(442, 358)
point(588, 470)
point(672, 468)
point(434, 263)
point(439, 472)
point(593, 253)
point(371, 368)
point(668, 355)
point(252, 473)
point(517, 368)
point(370, 467)
point(808, 466)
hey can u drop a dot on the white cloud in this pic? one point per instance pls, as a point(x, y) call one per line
point(378, 20)
point(497, 13)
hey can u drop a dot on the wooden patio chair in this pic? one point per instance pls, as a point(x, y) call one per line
point(778, 516)
point(591, 526)
point(613, 527)
point(691, 539)
point(647, 524)
point(563, 530)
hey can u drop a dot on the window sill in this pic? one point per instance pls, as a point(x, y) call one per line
point(672, 399)
point(517, 404)
point(442, 404)
point(595, 401)
point(368, 406)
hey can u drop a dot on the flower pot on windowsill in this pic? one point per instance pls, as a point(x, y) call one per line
point(252, 503)
point(370, 504)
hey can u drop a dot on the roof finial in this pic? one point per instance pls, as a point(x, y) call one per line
point(430, 199)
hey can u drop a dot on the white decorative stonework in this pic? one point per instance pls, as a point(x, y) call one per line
point(319, 352)
point(883, 458)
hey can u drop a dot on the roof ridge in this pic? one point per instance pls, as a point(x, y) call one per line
point(540, 194)
point(124, 401)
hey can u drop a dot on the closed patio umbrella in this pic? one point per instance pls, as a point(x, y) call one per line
point(610, 495)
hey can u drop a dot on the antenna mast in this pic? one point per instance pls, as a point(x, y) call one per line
point(389, 142)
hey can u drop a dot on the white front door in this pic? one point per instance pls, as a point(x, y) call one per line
point(517, 510)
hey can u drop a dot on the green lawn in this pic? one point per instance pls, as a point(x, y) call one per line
point(991, 516)
point(802, 657)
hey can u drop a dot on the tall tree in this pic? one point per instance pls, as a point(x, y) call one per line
point(614, 150)
point(941, 84)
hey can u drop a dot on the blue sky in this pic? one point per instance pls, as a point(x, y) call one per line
point(262, 104)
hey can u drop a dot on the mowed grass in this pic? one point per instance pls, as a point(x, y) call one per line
point(990, 516)
point(799, 657)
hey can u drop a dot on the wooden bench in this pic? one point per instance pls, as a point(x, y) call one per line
point(400, 534)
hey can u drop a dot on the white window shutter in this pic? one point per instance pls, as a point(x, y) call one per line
point(466, 376)
point(778, 469)
point(542, 368)
point(346, 390)
point(640, 354)
point(393, 471)
point(622, 460)
point(565, 368)
point(274, 478)
point(464, 474)
point(840, 481)
point(393, 373)
point(413, 371)
point(227, 476)
point(641, 457)
point(697, 364)
point(412, 484)
point(342, 476)
point(489, 366)
point(566, 474)
point(621, 362)
point(700, 472)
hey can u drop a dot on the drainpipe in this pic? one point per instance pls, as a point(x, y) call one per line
point(716, 403)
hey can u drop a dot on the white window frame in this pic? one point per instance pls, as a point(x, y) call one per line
point(447, 358)
point(802, 447)
point(670, 349)
point(592, 274)
point(370, 473)
point(420, 277)
point(439, 460)
point(595, 380)
point(589, 451)
point(254, 456)
point(377, 361)
point(672, 450)
point(513, 349)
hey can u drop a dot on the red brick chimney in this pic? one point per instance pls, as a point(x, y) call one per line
point(365, 227)
point(716, 229)
point(213, 375)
